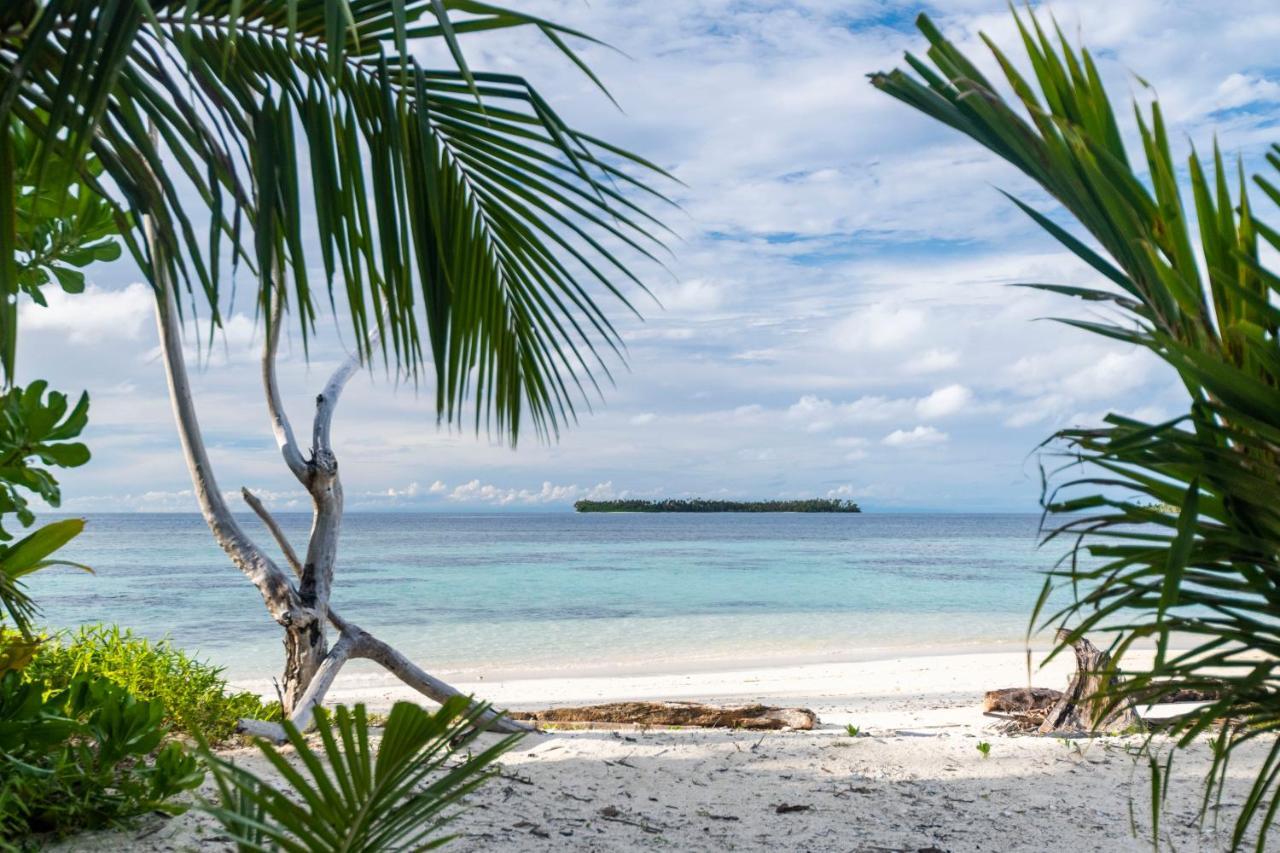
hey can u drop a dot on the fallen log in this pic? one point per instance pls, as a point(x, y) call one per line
point(1020, 700)
point(757, 717)
point(1084, 707)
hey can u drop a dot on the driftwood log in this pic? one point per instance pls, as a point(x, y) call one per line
point(757, 717)
point(1020, 700)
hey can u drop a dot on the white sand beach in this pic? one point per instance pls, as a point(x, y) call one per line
point(913, 780)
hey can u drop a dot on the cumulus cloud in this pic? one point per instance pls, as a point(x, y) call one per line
point(487, 493)
point(880, 327)
point(91, 317)
point(825, 284)
point(945, 401)
point(913, 437)
point(932, 361)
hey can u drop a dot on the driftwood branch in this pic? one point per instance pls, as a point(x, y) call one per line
point(290, 555)
point(280, 425)
point(325, 487)
point(760, 717)
point(433, 688)
point(353, 642)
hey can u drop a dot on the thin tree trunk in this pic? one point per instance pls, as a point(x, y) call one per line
point(302, 609)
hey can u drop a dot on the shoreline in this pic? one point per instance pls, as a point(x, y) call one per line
point(670, 668)
point(894, 690)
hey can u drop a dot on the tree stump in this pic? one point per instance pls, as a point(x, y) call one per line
point(1081, 709)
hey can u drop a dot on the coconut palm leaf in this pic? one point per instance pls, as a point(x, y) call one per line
point(457, 214)
point(346, 795)
point(1174, 527)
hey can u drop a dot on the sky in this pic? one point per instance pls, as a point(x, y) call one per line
point(836, 318)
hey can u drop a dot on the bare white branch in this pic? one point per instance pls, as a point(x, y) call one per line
point(290, 556)
point(275, 405)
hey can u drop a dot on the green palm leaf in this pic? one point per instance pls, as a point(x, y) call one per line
point(455, 211)
point(345, 795)
point(1175, 526)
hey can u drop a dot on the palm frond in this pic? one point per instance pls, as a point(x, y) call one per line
point(1174, 527)
point(459, 215)
point(346, 795)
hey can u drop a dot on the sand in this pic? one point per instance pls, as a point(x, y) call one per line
point(912, 780)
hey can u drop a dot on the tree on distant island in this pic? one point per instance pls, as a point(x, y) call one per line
point(466, 225)
point(704, 505)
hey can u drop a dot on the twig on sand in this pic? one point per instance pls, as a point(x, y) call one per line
point(613, 814)
point(787, 808)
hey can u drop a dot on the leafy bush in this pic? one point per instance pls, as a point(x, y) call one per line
point(351, 798)
point(33, 429)
point(193, 693)
point(82, 757)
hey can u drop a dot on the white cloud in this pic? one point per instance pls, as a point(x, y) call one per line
point(932, 361)
point(913, 437)
point(945, 401)
point(643, 418)
point(691, 297)
point(879, 327)
point(1240, 90)
point(824, 282)
point(91, 317)
point(477, 492)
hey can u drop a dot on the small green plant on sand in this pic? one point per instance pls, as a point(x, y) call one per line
point(852, 730)
point(984, 748)
point(344, 794)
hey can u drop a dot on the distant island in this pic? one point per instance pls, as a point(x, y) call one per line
point(701, 505)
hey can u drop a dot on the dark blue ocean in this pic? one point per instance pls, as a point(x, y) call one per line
point(488, 593)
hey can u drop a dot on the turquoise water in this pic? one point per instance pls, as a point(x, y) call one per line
point(489, 593)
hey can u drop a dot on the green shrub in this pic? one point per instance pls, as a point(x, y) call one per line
point(83, 757)
point(193, 693)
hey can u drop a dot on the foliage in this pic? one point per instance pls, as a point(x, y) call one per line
point(703, 505)
point(984, 747)
point(61, 225)
point(36, 429)
point(852, 730)
point(193, 693)
point(31, 554)
point(1181, 517)
point(467, 222)
point(83, 757)
point(348, 797)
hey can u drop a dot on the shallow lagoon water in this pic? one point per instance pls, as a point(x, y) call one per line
point(487, 594)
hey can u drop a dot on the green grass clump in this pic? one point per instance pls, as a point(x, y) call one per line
point(984, 748)
point(852, 730)
point(194, 693)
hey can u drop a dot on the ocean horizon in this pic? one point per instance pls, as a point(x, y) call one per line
point(489, 595)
